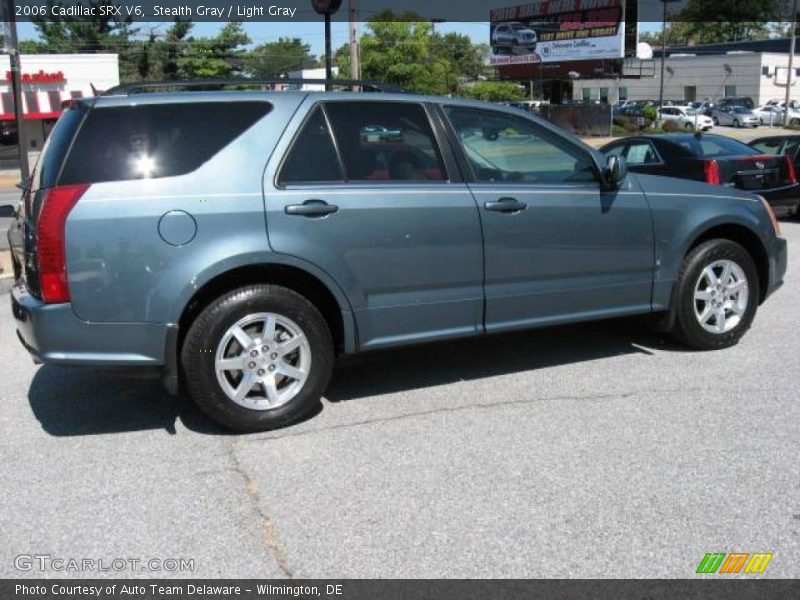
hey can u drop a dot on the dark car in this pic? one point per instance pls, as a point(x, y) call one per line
point(715, 159)
point(745, 101)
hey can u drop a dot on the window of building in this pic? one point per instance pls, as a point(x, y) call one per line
point(690, 93)
point(385, 141)
point(8, 103)
point(502, 147)
point(313, 141)
point(54, 96)
point(604, 95)
point(76, 94)
point(730, 90)
point(154, 140)
point(623, 93)
point(31, 102)
point(586, 94)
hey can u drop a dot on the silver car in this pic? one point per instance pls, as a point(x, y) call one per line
point(509, 35)
point(736, 116)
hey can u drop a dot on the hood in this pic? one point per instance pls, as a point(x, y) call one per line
point(656, 184)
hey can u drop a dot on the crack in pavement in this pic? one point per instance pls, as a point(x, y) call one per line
point(489, 405)
point(270, 538)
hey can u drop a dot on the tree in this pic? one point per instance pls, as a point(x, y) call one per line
point(221, 56)
point(273, 59)
point(495, 91)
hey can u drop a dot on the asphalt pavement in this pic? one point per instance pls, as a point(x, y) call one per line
point(600, 450)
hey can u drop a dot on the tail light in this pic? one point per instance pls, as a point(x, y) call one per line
point(790, 169)
point(50, 240)
point(711, 172)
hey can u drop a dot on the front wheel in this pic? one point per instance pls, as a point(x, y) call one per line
point(717, 295)
point(736, 124)
point(258, 358)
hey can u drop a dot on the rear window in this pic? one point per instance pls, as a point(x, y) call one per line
point(717, 146)
point(155, 140)
point(46, 171)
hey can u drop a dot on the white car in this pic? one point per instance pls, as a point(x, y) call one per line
point(769, 114)
point(686, 118)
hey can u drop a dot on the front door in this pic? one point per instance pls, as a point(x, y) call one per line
point(558, 247)
point(380, 207)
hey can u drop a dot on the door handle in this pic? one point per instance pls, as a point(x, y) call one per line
point(311, 208)
point(505, 205)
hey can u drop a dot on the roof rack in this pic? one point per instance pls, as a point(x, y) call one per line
point(145, 86)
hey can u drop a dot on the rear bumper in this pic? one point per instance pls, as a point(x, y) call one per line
point(52, 333)
point(783, 200)
point(778, 258)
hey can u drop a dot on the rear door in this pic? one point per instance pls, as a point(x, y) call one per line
point(384, 214)
point(557, 247)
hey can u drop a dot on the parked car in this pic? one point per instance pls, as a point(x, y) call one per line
point(686, 118)
point(736, 116)
point(788, 145)
point(510, 35)
point(745, 101)
point(715, 159)
point(769, 114)
point(241, 240)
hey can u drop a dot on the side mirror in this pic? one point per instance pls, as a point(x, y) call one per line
point(7, 210)
point(616, 170)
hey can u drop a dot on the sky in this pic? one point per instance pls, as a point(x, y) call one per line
point(310, 32)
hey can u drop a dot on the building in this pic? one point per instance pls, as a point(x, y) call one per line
point(698, 75)
point(47, 81)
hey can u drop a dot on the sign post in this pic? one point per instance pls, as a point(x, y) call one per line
point(10, 46)
point(327, 8)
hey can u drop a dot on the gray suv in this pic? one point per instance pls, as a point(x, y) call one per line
point(241, 240)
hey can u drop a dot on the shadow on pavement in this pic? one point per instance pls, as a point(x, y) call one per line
point(427, 365)
point(71, 401)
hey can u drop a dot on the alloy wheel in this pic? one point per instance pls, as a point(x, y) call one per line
point(263, 361)
point(721, 294)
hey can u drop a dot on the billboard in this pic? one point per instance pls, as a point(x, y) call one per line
point(557, 30)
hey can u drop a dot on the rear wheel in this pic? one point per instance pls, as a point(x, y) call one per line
point(258, 358)
point(794, 122)
point(717, 295)
point(736, 123)
point(689, 126)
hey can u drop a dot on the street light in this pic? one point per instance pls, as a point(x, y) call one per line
point(663, 52)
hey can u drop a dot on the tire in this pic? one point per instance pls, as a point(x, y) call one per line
point(794, 122)
point(210, 338)
point(688, 329)
point(715, 120)
point(689, 126)
point(736, 123)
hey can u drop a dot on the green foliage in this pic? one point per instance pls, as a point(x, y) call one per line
point(274, 59)
point(650, 112)
point(495, 91)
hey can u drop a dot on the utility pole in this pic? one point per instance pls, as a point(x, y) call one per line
point(790, 71)
point(355, 67)
point(16, 87)
point(663, 54)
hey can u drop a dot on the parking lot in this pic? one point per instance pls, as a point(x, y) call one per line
point(600, 450)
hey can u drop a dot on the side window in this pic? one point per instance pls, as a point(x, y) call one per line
point(502, 147)
point(770, 146)
point(641, 153)
point(312, 157)
point(385, 141)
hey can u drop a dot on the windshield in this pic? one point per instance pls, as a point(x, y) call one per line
point(518, 27)
point(741, 110)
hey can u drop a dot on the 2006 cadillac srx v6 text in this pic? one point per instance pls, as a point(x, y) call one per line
point(241, 240)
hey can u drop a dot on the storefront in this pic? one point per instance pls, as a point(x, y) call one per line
point(47, 81)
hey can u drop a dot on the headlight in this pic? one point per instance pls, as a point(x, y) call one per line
point(775, 224)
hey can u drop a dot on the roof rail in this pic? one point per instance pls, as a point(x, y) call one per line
point(145, 86)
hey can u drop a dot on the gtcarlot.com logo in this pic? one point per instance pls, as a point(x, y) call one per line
point(47, 562)
point(735, 562)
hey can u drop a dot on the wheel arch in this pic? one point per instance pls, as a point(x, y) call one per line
point(316, 287)
point(745, 237)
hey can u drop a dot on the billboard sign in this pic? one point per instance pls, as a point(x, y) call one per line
point(557, 30)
